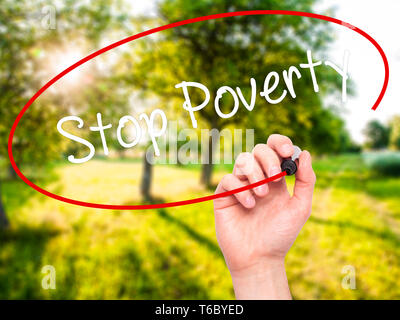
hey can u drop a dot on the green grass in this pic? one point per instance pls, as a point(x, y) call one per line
point(173, 253)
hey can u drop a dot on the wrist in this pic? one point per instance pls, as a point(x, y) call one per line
point(265, 279)
point(258, 268)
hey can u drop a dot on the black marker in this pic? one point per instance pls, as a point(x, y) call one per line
point(289, 164)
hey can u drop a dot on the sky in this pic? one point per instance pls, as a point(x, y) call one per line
point(366, 71)
point(380, 20)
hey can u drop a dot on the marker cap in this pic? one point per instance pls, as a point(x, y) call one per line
point(289, 164)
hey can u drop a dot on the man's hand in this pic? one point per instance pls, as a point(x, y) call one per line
point(256, 228)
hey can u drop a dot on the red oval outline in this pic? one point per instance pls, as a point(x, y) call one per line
point(155, 30)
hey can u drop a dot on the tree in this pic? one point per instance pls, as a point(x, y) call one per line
point(147, 176)
point(377, 135)
point(21, 39)
point(14, 41)
point(394, 141)
point(4, 223)
point(228, 52)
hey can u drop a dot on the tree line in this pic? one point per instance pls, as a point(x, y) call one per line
point(381, 135)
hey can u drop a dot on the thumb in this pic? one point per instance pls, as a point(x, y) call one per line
point(304, 184)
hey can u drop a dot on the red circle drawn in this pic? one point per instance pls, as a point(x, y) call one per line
point(158, 29)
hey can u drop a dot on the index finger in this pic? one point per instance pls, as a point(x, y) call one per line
point(282, 145)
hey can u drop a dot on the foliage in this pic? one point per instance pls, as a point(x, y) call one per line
point(22, 40)
point(15, 39)
point(229, 52)
point(394, 140)
point(377, 135)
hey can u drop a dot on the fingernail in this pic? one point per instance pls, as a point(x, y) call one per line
point(274, 170)
point(250, 201)
point(287, 149)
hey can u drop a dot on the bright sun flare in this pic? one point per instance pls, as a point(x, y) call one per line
point(57, 60)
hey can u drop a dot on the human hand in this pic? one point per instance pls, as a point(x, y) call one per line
point(256, 228)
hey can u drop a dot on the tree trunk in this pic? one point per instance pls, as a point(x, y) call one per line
point(207, 167)
point(13, 175)
point(206, 174)
point(4, 223)
point(145, 186)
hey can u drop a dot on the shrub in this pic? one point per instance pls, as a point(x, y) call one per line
point(386, 162)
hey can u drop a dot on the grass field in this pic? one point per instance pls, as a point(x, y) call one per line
point(173, 253)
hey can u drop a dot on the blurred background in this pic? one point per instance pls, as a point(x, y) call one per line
point(173, 253)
